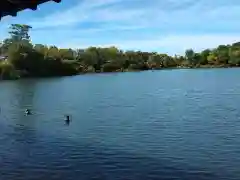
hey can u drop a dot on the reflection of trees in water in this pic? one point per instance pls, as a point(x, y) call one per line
point(18, 96)
point(25, 94)
point(23, 126)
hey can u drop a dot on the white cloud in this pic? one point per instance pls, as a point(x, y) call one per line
point(112, 11)
point(82, 12)
point(160, 25)
point(170, 44)
point(156, 14)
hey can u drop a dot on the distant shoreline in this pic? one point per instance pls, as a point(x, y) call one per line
point(125, 71)
point(19, 58)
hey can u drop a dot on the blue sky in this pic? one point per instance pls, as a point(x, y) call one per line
point(166, 26)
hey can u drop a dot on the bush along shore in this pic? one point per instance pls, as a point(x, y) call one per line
point(19, 58)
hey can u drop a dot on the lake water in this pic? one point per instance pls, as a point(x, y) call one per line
point(173, 124)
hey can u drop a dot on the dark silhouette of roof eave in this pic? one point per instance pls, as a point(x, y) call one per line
point(12, 7)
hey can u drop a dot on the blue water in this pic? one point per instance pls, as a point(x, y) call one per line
point(179, 124)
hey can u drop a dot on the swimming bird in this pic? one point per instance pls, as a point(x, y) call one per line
point(67, 119)
point(28, 112)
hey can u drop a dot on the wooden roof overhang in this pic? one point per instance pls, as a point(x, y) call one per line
point(12, 7)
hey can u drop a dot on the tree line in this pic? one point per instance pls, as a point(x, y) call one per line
point(19, 58)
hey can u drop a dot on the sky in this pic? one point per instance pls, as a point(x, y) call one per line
point(164, 26)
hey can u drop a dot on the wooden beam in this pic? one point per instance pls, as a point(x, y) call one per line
point(57, 1)
point(12, 7)
point(13, 13)
point(33, 7)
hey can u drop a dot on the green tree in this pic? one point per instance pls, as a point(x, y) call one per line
point(67, 54)
point(189, 54)
point(19, 32)
point(234, 55)
point(204, 57)
point(168, 62)
point(222, 53)
point(53, 52)
point(41, 49)
point(26, 60)
point(7, 71)
point(212, 58)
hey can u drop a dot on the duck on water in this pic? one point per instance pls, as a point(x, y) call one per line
point(28, 112)
point(67, 119)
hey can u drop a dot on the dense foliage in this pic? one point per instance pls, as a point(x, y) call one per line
point(23, 59)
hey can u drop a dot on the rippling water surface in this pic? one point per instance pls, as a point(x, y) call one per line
point(180, 124)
